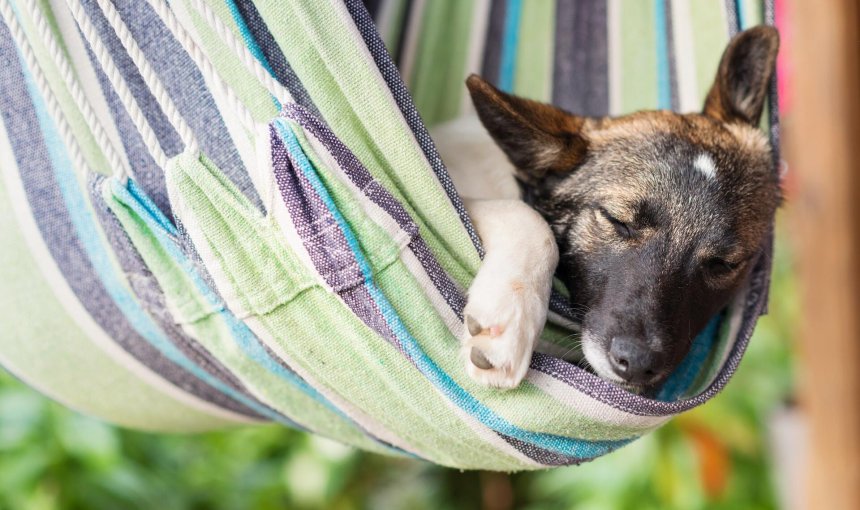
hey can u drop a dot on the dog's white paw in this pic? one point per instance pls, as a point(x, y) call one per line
point(503, 319)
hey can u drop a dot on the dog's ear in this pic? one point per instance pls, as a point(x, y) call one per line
point(740, 88)
point(538, 138)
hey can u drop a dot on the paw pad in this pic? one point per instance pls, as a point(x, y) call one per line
point(479, 359)
point(475, 329)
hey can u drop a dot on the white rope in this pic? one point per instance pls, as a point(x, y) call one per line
point(54, 109)
point(281, 94)
point(148, 73)
point(162, 9)
point(118, 82)
point(118, 167)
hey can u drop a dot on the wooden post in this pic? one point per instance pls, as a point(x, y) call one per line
point(823, 151)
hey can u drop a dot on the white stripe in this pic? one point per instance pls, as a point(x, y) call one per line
point(489, 436)
point(240, 50)
point(408, 135)
point(724, 15)
point(477, 42)
point(591, 408)
point(183, 213)
point(410, 42)
point(613, 21)
point(685, 58)
point(736, 315)
point(281, 214)
point(369, 423)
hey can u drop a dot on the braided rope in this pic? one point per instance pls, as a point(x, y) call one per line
point(53, 104)
point(162, 9)
point(80, 99)
point(281, 94)
point(118, 81)
point(148, 73)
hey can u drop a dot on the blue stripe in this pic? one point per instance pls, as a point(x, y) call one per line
point(509, 45)
point(251, 43)
point(248, 37)
point(664, 83)
point(85, 227)
point(739, 8)
point(567, 446)
point(685, 374)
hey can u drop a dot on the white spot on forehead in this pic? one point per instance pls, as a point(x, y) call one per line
point(705, 164)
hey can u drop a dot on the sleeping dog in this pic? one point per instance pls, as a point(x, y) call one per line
point(652, 220)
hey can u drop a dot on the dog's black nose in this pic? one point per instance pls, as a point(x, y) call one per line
point(632, 360)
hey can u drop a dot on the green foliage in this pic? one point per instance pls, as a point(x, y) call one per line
point(715, 457)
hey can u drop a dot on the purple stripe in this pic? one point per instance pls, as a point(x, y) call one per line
point(363, 180)
point(490, 69)
point(273, 55)
point(143, 167)
point(670, 51)
point(581, 64)
point(732, 19)
point(537, 454)
point(323, 239)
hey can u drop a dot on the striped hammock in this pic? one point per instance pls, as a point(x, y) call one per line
point(218, 212)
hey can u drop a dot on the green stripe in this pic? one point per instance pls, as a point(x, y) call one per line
point(710, 36)
point(638, 56)
point(228, 66)
point(437, 80)
point(534, 60)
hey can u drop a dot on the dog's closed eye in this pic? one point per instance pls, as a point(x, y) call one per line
point(716, 267)
point(624, 230)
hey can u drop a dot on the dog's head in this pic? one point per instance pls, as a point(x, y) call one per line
point(658, 216)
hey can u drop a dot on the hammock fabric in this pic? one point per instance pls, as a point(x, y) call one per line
point(218, 212)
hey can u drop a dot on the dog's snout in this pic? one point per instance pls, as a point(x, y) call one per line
point(633, 360)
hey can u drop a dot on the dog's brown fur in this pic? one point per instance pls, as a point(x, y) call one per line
point(650, 247)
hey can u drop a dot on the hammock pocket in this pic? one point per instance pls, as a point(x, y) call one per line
point(247, 220)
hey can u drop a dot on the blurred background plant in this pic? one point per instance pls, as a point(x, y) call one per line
point(714, 457)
